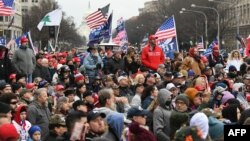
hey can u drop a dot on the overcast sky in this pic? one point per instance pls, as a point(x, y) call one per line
point(121, 8)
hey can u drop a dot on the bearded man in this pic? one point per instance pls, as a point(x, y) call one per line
point(193, 62)
point(92, 63)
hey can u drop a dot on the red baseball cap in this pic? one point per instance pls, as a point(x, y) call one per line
point(152, 37)
point(12, 76)
point(59, 87)
point(76, 59)
point(30, 86)
point(24, 39)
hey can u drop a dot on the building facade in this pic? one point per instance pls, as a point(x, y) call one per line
point(16, 28)
point(27, 4)
point(237, 15)
point(149, 6)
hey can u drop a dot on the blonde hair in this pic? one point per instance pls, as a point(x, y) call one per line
point(137, 77)
point(231, 57)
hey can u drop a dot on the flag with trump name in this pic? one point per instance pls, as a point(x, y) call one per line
point(210, 47)
point(101, 33)
point(6, 7)
point(121, 38)
point(167, 37)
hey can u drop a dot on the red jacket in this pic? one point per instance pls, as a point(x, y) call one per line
point(152, 59)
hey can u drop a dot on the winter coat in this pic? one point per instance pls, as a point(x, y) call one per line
point(161, 117)
point(90, 63)
point(212, 60)
point(24, 60)
point(113, 65)
point(39, 115)
point(189, 63)
point(43, 72)
point(152, 59)
point(5, 66)
point(22, 127)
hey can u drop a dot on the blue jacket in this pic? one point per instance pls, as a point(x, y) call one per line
point(90, 63)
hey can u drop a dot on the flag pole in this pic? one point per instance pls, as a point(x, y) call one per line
point(176, 35)
point(56, 40)
point(110, 28)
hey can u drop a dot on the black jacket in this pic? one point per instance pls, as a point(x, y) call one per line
point(5, 66)
point(42, 72)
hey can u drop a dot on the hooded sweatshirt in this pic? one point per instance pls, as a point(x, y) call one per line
point(115, 122)
point(22, 127)
point(161, 117)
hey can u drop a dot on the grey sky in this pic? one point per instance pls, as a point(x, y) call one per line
point(121, 8)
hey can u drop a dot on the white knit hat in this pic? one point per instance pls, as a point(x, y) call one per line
point(200, 120)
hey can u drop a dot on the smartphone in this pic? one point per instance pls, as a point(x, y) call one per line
point(77, 131)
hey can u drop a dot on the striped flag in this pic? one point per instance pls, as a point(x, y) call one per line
point(6, 7)
point(167, 37)
point(167, 29)
point(200, 44)
point(210, 47)
point(97, 18)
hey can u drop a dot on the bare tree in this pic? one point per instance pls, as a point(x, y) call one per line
point(67, 27)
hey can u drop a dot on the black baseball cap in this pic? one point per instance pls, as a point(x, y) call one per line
point(92, 115)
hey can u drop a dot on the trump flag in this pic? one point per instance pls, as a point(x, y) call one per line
point(167, 37)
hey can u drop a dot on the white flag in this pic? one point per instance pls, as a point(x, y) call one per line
point(53, 18)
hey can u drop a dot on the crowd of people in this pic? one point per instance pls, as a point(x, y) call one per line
point(110, 95)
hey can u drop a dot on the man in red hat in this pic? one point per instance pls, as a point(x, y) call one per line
point(24, 60)
point(152, 55)
point(215, 57)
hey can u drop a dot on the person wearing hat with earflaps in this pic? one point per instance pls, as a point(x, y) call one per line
point(152, 55)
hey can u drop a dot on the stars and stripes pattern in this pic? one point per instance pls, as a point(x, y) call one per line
point(167, 29)
point(97, 18)
point(6, 7)
point(200, 43)
point(210, 47)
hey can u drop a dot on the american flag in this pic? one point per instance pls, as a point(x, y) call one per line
point(97, 18)
point(200, 44)
point(167, 29)
point(210, 47)
point(6, 7)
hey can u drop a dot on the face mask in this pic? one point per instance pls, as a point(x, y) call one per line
point(168, 102)
point(216, 53)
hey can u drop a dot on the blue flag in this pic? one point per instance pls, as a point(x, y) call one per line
point(2, 41)
point(120, 25)
point(103, 32)
point(210, 47)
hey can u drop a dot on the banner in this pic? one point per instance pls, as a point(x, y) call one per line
point(103, 32)
point(167, 37)
point(121, 38)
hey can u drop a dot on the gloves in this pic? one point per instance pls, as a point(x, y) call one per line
point(98, 66)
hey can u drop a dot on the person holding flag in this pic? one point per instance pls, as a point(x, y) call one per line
point(152, 55)
point(24, 60)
